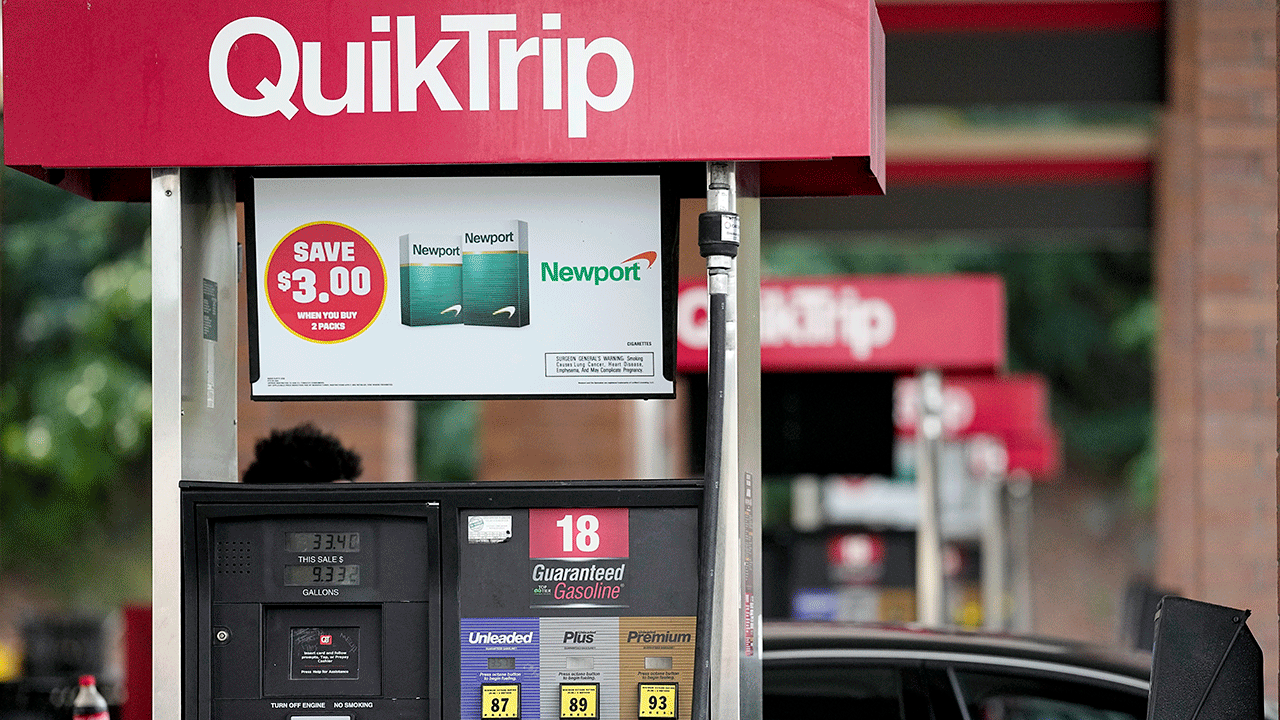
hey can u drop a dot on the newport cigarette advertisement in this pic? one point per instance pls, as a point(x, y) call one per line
point(376, 287)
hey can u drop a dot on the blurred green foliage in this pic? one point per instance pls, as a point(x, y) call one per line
point(446, 441)
point(1079, 313)
point(75, 364)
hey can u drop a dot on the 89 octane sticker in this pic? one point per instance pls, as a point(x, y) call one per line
point(325, 282)
point(579, 701)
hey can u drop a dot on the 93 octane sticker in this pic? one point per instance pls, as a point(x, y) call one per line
point(658, 700)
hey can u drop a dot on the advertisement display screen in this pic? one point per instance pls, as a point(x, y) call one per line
point(477, 286)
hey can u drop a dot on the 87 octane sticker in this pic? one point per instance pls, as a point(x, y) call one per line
point(500, 701)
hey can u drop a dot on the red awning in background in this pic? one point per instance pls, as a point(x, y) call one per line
point(1013, 409)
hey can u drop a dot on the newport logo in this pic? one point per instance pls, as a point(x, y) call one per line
point(412, 72)
point(432, 250)
point(489, 239)
point(596, 274)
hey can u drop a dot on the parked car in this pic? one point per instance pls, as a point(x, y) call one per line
point(820, 671)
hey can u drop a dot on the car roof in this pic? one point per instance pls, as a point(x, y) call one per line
point(816, 641)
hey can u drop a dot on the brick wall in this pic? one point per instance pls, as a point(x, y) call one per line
point(554, 440)
point(1216, 278)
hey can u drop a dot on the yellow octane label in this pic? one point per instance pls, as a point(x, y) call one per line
point(500, 702)
point(580, 700)
point(658, 700)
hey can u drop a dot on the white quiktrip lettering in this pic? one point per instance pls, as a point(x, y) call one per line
point(802, 316)
point(414, 71)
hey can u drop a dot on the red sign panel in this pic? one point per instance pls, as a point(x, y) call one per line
point(895, 323)
point(1014, 409)
point(974, 405)
point(581, 533)
point(133, 83)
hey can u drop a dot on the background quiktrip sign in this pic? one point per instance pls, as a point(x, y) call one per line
point(132, 83)
point(891, 322)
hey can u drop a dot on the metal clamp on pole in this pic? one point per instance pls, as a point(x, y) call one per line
point(718, 243)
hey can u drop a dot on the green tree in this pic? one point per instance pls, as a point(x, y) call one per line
point(75, 357)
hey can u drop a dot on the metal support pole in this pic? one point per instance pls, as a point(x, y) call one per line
point(988, 463)
point(930, 588)
point(651, 457)
point(1020, 518)
point(166, 444)
point(194, 292)
point(995, 566)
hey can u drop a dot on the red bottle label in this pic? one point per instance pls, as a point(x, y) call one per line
point(100, 715)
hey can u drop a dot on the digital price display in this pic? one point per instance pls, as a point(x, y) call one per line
point(323, 541)
point(299, 575)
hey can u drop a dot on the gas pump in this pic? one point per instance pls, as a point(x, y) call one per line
point(487, 601)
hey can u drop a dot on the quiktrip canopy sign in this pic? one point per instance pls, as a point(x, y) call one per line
point(253, 83)
point(896, 323)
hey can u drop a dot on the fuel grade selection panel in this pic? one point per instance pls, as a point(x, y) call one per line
point(590, 610)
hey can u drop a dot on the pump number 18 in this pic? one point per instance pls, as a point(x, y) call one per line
point(578, 532)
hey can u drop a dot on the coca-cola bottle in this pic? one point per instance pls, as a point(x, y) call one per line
point(89, 703)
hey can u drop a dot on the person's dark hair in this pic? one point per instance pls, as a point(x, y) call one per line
point(302, 454)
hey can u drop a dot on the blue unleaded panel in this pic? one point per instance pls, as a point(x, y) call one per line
point(500, 650)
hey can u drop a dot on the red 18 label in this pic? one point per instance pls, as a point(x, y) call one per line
point(579, 532)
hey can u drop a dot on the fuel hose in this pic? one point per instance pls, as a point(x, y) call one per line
point(718, 243)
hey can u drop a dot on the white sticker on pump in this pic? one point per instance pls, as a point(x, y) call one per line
point(488, 529)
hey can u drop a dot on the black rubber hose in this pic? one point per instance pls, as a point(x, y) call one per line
point(710, 507)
